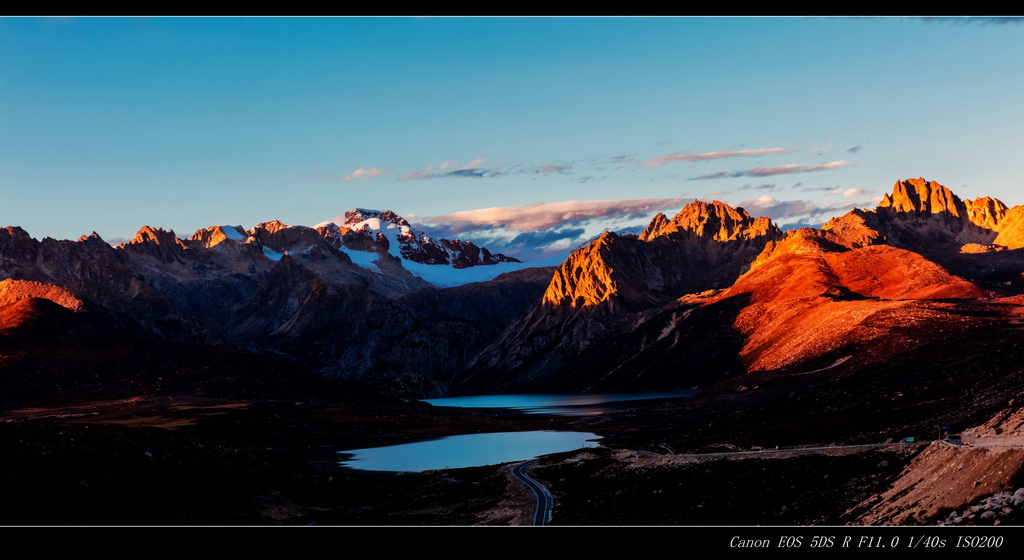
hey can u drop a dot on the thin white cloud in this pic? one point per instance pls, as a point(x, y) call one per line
point(839, 191)
point(563, 168)
point(444, 169)
point(686, 156)
point(364, 174)
point(982, 20)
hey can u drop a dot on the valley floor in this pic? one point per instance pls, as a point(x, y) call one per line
point(262, 462)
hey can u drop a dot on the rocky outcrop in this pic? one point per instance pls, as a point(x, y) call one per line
point(612, 267)
point(986, 212)
point(940, 479)
point(1005, 507)
point(15, 290)
point(17, 248)
point(33, 316)
point(1010, 229)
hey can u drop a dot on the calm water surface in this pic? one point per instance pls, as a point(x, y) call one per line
point(566, 405)
point(470, 450)
point(473, 450)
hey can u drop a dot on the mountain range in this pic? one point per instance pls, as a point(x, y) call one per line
point(708, 295)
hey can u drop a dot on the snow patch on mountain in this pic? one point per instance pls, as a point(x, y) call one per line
point(231, 232)
point(364, 259)
point(272, 254)
point(448, 276)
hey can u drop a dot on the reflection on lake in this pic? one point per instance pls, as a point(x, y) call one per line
point(566, 405)
point(470, 450)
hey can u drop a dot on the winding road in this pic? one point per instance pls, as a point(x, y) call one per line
point(542, 515)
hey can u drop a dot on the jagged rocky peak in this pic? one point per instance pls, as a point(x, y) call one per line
point(158, 243)
point(923, 197)
point(215, 235)
point(370, 223)
point(150, 236)
point(586, 278)
point(91, 237)
point(158, 236)
point(94, 242)
point(281, 237)
point(15, 232)
point(712, 220)
point(16, 246)
point(358, 215)
point(273, 226)
point(921, 215)
point(328, 229)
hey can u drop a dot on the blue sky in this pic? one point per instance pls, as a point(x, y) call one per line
point(524, 134)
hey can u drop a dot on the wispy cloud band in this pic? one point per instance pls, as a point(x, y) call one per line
point(686, 156)
point(544, 215)
point(777, 170)
point(365, 174)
